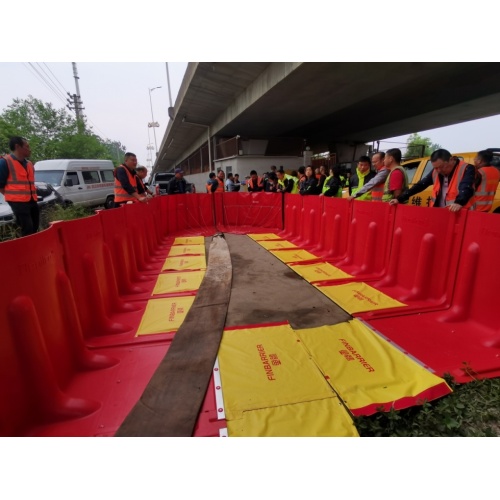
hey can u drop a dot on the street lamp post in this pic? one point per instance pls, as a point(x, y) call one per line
point(153, 123)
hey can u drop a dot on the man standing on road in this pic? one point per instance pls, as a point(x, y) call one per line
point(376, 185)
point(452, 180)
point(126, 182)
point(17, 184)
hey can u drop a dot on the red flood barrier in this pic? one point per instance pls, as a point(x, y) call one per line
point(132, 284)
point(309, 231)
point(188, 214)
point(334, 228)
point(463, 340)
point(368, 240)
point(41, 343)
point(292, 215)
point(242, 213)
point(105, 317)
point(423, 260)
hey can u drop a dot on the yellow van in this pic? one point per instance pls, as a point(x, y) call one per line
point(418, 168)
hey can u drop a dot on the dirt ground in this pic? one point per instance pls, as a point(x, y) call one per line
point(266, 290)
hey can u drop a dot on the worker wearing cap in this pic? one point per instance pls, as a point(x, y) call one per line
point(177, 184)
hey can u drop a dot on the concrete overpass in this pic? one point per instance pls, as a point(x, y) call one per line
point(333, 106)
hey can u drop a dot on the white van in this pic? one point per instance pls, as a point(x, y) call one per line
point(84, 182)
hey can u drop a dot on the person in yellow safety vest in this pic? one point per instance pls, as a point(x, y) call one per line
point(287, 183)
point(17, 184)
point(332, 186)
point(363, 175)
point(126, 182)
point(486, 181)
point(376, 185)
point(397, 180)
point(452, 180)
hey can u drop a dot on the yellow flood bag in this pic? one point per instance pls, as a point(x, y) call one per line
point(164, 315)
point(264, 236)
point(367, 371)
point(276, 244)
point(293, 255)
point(178, 282)
point(266, 367)
point(186, 250)
point(190, 240)
point(359, 297)
point(320, 418)
point(187, 263)
point(321, 271)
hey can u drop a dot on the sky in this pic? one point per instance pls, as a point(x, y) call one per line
point(117, 103)
point(138, 38)
point(115, 95)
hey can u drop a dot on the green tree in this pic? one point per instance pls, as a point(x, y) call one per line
point(418, 146)
point(53, 133)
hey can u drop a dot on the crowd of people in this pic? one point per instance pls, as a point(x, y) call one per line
point(456, 184)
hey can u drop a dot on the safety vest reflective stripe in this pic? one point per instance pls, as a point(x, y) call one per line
point(485, 192)
point(452, 192)
point(20, 186)
point(121, 195)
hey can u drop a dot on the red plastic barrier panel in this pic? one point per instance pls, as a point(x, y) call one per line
point(309, 234)
point(292, 215)
point(132, 283)
point(190, 214)
point(147, 257)
point(464, 340)
point(335, 223)
point(92, 273)
point(369, 240)
point(41, 342)
point(247, 212)
point(423, 259)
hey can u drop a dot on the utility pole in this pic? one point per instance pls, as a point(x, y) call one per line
point(75, 102)
point(171, 111)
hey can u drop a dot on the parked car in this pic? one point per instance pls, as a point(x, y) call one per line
point(85, 182)
point(159, 183)
point(418, 168)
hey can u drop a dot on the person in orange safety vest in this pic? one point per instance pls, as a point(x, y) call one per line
point(452, 181)
point(486, 181)
point(17, 184)
point(126, 182)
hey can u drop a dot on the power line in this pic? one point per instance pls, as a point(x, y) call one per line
point(60, 84)
point(54, 84)
point(40, 77)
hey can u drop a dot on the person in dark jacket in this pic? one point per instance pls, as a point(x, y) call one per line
point(333, 185)
point(177, 184)
point(310, 185)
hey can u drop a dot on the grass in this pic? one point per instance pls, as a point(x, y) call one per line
point(472, 410)
point(47, 215)
point(61, 213)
